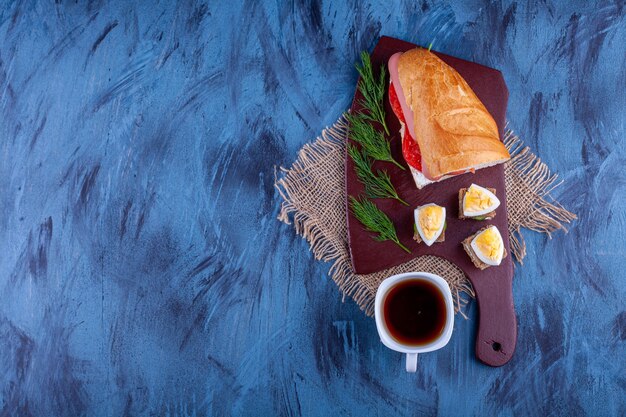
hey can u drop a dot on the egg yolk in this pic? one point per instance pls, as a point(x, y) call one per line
point(490, 244)
point(477, 200)
point(431, 219)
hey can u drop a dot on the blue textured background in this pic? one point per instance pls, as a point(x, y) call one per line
point(142, 269)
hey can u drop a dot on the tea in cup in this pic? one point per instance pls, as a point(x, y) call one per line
point(414, 314)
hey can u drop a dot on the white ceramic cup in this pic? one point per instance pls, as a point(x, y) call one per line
point(383, 332)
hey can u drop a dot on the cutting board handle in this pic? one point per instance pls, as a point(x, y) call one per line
point(497, 324)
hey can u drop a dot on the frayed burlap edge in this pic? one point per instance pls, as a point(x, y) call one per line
point(313, 190)
point(528, 184)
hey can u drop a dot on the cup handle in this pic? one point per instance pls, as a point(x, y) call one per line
point(411, 362)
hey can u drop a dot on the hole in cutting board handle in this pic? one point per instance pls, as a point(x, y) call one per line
point(496, 346)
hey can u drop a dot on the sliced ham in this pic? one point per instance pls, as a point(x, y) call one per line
point(410, 148)
point(395, 79)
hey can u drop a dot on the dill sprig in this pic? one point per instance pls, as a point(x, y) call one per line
point(377, 185)
point(371, 140)
point(375, 221)
point(372, 90)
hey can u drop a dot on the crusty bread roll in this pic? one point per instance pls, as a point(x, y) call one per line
point(454, 130)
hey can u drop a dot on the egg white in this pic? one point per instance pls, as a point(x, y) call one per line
point(495, 205)
point(418, 226)
point(482, 257)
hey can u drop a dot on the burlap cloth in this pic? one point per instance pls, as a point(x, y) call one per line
point(313, 191)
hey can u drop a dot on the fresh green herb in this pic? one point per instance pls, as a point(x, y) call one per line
point(372, 90)
point(430, 46)
point(377, 185)
point(480, 218)
point(375, 221)
point(371, 140)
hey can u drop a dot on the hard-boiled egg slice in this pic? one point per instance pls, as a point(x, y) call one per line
point(479, 201)
point(488, 246)
point(429, 222)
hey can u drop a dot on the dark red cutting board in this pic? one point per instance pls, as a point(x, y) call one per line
point(497, 332)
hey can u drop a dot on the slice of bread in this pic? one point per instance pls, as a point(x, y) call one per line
point(487, 216)
point(420, 179)
point(467, 245)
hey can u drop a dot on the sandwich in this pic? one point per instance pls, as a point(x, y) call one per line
point(445, 128)
point(485, 247)
point(478, 203)
point(430, 224)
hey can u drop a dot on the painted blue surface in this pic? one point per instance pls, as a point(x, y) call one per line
point(142, 269)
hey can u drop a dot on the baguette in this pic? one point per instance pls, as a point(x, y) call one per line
point(452, 127)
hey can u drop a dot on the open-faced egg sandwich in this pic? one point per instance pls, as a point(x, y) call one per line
point(430, 224)
point(478, 203)
point(485, 247)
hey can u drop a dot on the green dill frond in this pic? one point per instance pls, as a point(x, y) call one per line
point(373, 91)
point(377, 185)
point(375, 221)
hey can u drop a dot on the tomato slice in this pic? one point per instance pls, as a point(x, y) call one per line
point(410, 148)
point(411, 151)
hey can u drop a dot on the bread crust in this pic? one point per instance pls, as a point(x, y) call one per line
point(454, 130)
point(467, 245)
point(487, 216)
